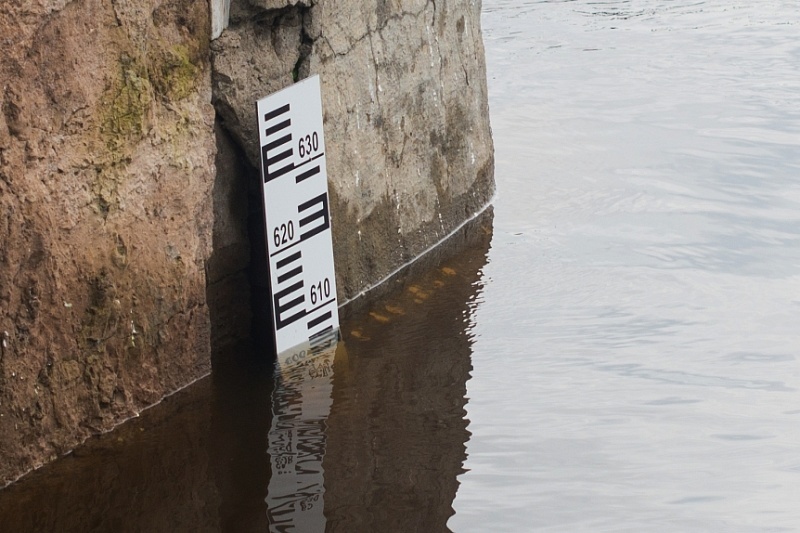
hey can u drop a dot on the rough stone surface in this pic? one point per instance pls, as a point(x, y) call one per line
point(254, 57)
point(106, 167)
point(409, 147)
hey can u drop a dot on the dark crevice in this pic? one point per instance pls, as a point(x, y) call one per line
point(237, 286)
point(301, 67)
point(239, 290)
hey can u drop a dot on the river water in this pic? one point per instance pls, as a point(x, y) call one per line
point(636, 344)
point(615, 350)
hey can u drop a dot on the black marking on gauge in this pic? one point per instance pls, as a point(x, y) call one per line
point(276, 112)
point(289, 294)
point(323, 339)
point(320, 319)
point(321, 213)
point(307, 174)
point(289, 275)
point(275, 143)
point(270, 158)
point(288, 260)
point(294, 291)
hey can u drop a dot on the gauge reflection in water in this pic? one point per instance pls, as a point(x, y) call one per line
point(301, 404)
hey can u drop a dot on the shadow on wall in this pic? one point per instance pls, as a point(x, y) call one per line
point(236, 274)
point(383, 427)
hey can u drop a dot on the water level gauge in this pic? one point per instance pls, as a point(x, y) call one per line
point(298, 222)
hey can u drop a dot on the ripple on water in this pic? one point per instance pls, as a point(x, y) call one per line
point(637, 335)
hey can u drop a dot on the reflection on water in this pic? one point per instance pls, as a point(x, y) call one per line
point(361, 436)
point(301, 403)
point(396, 432)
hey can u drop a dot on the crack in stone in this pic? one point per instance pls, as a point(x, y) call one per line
point(379, 29)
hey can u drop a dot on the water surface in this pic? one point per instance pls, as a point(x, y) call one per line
point(635, 362)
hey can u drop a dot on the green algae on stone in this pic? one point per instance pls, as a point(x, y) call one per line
point(175, 77)
point(125, 105)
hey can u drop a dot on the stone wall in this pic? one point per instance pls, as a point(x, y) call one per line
point(106, 170)
point(128, 245)
point(409, 148)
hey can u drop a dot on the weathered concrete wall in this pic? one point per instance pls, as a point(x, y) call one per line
point(106, 168)
point(127, 241)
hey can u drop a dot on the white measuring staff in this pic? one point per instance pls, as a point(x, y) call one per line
point(298, 223)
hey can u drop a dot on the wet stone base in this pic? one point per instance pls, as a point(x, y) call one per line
point(393, 417)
